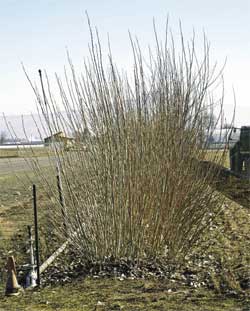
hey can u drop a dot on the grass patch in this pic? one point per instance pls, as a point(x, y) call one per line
point(113, 294)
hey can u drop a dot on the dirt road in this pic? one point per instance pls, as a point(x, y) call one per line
point(13, 165)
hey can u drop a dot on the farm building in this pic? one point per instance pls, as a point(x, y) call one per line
point(59, 139)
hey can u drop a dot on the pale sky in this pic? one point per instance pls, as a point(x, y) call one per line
point(37, 32)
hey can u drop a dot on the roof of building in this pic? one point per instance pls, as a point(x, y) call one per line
point(58, 135)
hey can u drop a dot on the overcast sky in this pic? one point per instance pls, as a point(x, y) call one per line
point(37, 32)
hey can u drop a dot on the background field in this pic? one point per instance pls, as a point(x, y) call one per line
point(23, 152)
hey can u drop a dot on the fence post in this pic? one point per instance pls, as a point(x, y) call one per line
point(36, 235)
point(31, 277)
point(32, 261)
point(59, 187)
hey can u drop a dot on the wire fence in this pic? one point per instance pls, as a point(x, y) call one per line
point(17, 218)
point(18, 197)
point(16, 214)
point(15, 206)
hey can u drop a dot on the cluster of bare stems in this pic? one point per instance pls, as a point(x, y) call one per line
point(133, 184)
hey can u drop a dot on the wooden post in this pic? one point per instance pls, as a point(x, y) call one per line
point(47, 262)
point(36, 235)
point(59, 187)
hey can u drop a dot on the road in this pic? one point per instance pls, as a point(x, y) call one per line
point(14, 165)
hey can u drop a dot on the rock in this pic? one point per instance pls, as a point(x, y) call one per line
point(245, 283)
point(115, 306)
point(232, 294)
point(100, 303)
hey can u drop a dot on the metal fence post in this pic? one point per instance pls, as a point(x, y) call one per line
point(59, 187)
point(36, 235)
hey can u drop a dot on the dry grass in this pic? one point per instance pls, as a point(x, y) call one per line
point(23, 152)
point(8, 153)
point(222, 159)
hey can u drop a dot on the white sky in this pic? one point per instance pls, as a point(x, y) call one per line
point(38, 32)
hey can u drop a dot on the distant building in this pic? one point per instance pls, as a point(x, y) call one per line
point(59, 139)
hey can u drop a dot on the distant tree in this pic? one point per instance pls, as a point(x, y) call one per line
point(211, 140)
point(3, 137)
point(209, 120)
point(227, 126)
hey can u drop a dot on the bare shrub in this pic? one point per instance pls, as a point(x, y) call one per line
point(133, 185)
